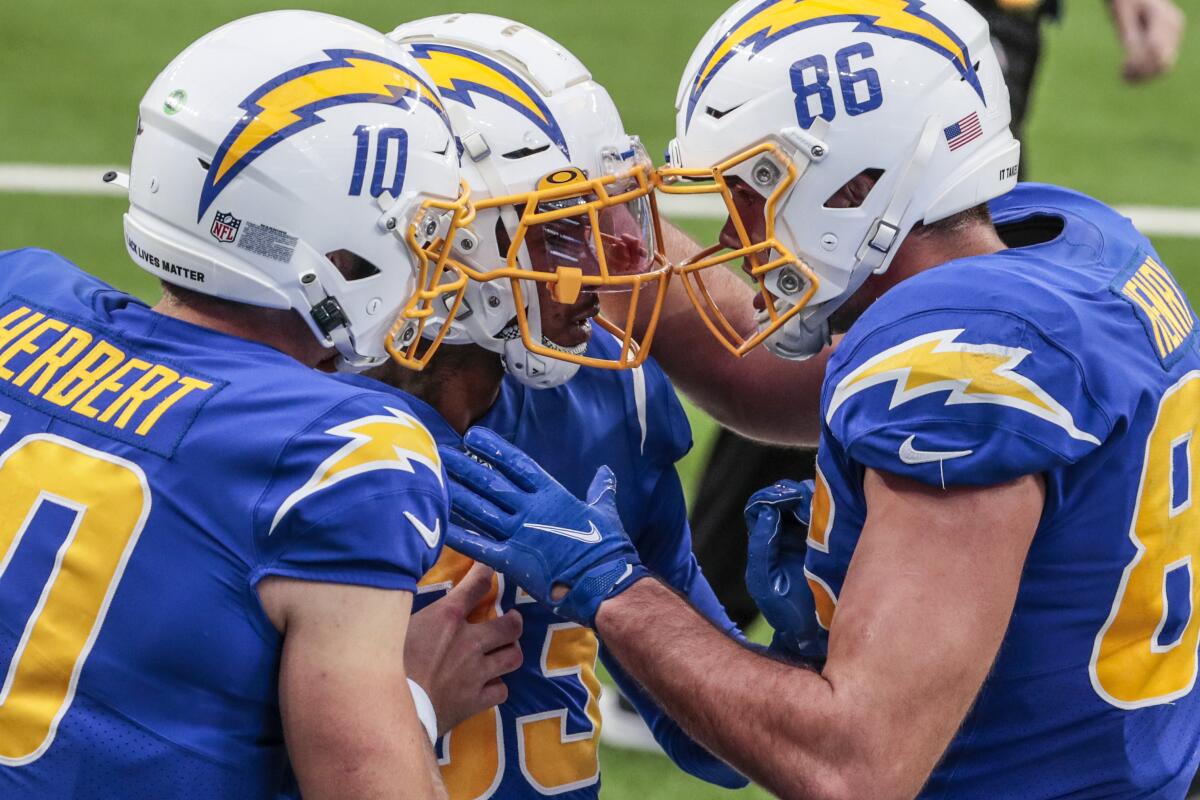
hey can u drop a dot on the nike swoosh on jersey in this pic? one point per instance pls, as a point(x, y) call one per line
point(591, 536)
point(431, 536)
point(911, 455)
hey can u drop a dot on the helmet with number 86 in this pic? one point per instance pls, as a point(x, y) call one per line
point(784, 102)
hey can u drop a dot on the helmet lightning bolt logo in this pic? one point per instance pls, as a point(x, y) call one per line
point(772, 20)
point(970, 373)
point(458, 73)
point(289, 103)
point(386, 441)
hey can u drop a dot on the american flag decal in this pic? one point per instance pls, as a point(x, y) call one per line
point(963, 132)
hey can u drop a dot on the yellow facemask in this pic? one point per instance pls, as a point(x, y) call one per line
point(438, 275)
point(764, 166)
point(582, 234)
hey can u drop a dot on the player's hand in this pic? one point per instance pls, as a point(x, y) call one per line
point(1150, 32)
point(568, 554)
point(459, 663)
point(777, 518)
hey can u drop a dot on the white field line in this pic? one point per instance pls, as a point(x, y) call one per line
point(1150, 220)
point(85, 180)
point(56, 179)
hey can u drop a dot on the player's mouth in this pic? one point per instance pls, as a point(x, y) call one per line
point(583, 316)
point(578, 328)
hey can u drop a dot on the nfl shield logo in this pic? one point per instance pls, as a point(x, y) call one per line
point(225, 227)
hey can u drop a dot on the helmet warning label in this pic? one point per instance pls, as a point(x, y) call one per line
point(268, 242)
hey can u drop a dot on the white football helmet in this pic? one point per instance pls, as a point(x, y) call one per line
point(794, 99)
point(563, 195)
point(280, 139)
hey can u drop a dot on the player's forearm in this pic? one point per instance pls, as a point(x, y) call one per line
point(341, 757)
point(347, 747)
point(778, 724)
point(349, 719)
point(689, 755)
point(759, 395)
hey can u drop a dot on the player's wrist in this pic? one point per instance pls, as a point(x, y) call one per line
point(642, 590)
point(597, 585)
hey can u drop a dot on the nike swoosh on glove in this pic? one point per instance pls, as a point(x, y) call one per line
point(777, 518)
point(515, 518)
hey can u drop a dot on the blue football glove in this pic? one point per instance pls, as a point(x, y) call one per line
point(517, 519)
point(777, 518)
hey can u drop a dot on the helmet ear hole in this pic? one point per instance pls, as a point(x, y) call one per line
point(352, 266)
point(503, 240)
point(854, 192)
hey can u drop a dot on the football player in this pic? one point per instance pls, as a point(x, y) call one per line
point(1004, 524)
point(195, 567)
point(563, 199)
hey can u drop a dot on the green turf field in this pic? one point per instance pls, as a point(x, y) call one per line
point(73, 71)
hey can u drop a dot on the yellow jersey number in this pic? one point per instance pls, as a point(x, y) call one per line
point(551, 760)
point(111, 500)
point(1130, 666)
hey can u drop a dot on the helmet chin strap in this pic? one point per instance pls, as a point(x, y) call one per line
point(884, 235)
point(326, 313)
point(530, 368)
point(804, 335)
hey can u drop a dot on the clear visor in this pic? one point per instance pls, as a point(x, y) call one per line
point(578, 234)
point(752, 185)
point(605, 241)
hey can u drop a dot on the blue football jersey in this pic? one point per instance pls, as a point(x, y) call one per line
point(544, 740)
point(151, 474)
point(1075, 358)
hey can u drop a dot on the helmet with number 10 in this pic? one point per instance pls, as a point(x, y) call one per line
point(786, 101)
point(298, 160)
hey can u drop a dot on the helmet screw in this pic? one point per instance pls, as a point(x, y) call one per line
point(153, 185)
point(789, 281)
point(390, 223)
point(765, 173)
point(493, 302)
point(829, 241)
point(817, 151)
point(429, 226)
point(373, 305)
point(308, 278)
point(467, 245)
point(407, 336)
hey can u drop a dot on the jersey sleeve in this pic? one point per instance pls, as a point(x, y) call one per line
point(969, 397)
point(664, 542)
point(360, 498)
